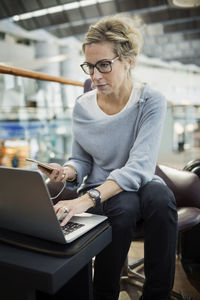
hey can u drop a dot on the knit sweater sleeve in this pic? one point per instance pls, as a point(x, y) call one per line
point(81, 162)
point(140, 166)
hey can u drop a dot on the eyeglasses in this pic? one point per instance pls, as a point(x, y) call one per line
point(103, 66)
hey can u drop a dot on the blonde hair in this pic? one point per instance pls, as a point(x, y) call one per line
point(119, 30)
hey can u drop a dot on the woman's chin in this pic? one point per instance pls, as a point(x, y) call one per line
point(103, 90)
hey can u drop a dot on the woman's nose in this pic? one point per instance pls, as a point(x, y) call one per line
point(97, 74)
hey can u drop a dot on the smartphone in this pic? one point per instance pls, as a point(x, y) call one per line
point(43, 165)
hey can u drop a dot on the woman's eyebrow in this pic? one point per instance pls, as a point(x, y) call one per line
point(104, 59)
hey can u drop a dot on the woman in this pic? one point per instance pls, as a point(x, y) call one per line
point(117, 129)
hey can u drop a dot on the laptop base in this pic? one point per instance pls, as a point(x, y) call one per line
point(52, 248)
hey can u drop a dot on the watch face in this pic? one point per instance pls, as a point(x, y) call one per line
point(94, 193)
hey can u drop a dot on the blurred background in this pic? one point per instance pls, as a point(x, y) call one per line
point(40, 79)
point(45, 36)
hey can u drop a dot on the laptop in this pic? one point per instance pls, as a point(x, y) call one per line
point(26, 207)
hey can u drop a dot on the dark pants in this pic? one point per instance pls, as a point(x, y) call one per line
point(155, 205)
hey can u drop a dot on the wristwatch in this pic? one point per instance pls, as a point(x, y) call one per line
point(95, 196)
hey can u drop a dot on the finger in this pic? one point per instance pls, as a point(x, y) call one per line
point(67, 218)
point(60, 175)
point(43, 170)
point(58, 205)
point(64, 176)
point(61, 213)
point(54, 175)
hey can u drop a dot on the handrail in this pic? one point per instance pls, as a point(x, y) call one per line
point(36, 75)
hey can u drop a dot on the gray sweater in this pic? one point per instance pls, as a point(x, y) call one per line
point(122, 147)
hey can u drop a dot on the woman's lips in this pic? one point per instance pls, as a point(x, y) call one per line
point(101, 86)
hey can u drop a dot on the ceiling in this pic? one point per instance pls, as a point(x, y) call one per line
point(169, 33)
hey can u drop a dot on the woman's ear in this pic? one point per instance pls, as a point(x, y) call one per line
point(129, 63)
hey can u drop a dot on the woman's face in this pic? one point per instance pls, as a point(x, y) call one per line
point(106, 83)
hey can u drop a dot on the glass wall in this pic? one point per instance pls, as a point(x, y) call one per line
point(180, 84)
point(35, 119)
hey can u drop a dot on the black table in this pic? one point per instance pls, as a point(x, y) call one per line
point(29, 275)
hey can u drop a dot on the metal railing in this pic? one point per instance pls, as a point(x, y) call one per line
point(37, 75)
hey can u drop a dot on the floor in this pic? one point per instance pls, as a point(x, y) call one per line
point(182, 284)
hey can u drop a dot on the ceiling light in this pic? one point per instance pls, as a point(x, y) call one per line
point(55, 9)
point(184, 3)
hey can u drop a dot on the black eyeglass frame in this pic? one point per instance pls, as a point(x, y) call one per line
point(96, 65)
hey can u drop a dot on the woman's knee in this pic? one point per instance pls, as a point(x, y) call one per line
point(123, 210)
point(155, 195)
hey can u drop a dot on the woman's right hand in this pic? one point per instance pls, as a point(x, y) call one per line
point(59, 173)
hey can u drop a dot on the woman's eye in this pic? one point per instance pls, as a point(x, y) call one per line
point(104, 65)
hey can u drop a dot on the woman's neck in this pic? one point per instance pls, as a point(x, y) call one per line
point(115, 102)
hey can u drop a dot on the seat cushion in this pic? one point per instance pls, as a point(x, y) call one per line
point(185, 185)
point(188, 217)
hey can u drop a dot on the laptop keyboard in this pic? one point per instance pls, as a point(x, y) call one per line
point(71, 226)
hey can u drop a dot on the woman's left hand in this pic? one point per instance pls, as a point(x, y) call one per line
point(69, 208)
